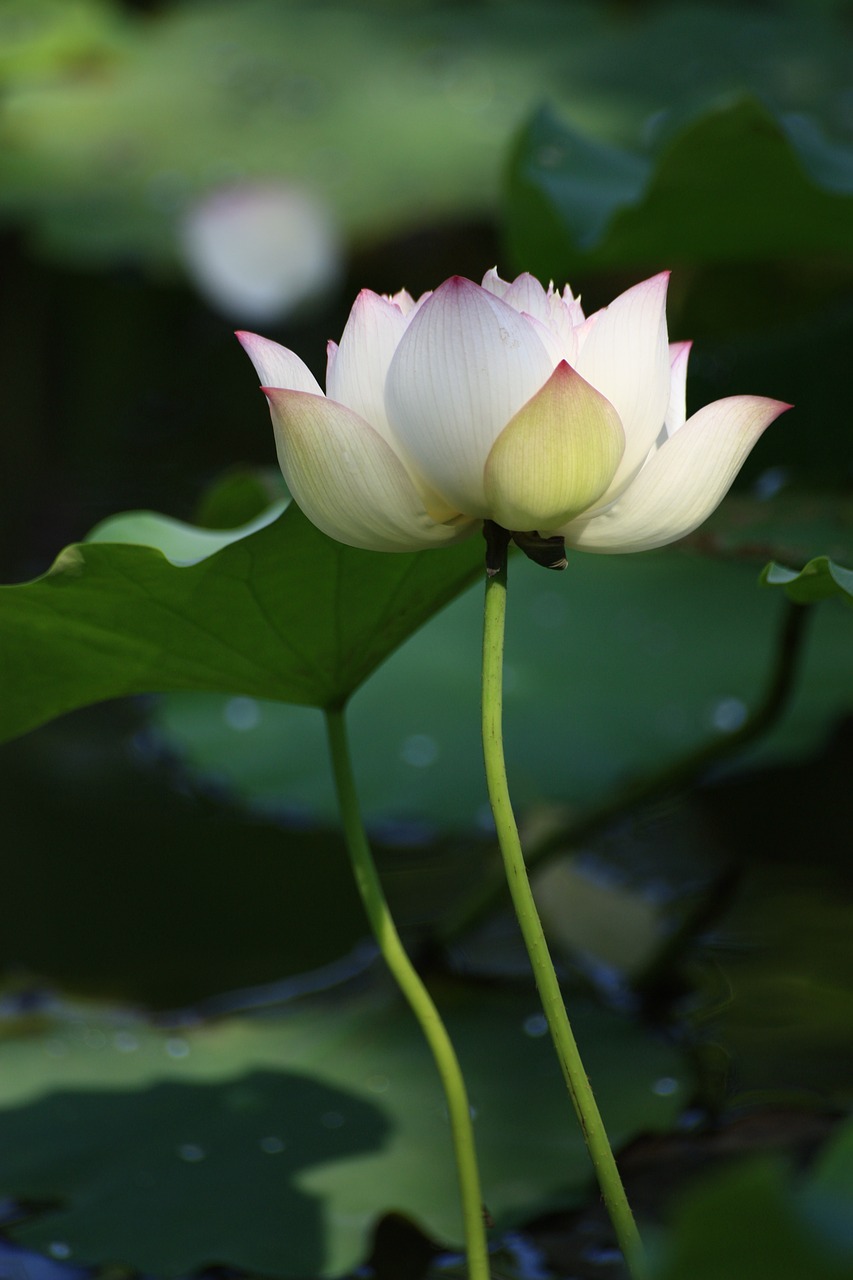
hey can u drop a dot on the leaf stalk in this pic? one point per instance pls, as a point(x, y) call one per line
point(415, 992)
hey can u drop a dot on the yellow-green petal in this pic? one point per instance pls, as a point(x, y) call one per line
point(555, 457)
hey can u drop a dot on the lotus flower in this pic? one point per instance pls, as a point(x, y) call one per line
point(503, 402)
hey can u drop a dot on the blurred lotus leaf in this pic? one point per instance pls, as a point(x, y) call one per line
point(733, 183)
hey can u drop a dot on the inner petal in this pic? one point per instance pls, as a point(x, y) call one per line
point(556, 457)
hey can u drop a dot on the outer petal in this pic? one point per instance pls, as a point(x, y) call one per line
point(356, 375)
point(347, 480)
point(556, 457)
point(682, 482)
point(625, 356)
point(276, 366)
point(464, 366)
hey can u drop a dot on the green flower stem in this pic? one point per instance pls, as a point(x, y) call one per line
point(785, 666)
point(420, 1001)
point(578, 1085)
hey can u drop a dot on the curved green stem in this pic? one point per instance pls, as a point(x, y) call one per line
point(534, 937)
point(785, 664)
point(420, 1001)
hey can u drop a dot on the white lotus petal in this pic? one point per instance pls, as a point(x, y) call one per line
point(402, 299)
point(625, 355)
point(566, 319)
point(494, 284)
point(348, 480)
point(682, 482)
point(331, 357)
point(356, 375)
point(549, 339)
point(526, 294)
point(585, 328)
point(276, 366)
point(557, 314)
point(464, 366)
point(676, 414)
point(571, 303)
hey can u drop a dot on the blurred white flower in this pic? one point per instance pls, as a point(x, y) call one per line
point(257, 252)
point(504, 402)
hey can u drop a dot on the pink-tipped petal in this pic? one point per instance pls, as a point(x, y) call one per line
point(625, 355)
point(356, 376)
point(676, 414)
point(348, 480)
point(556, 456)
point(276, 366)
point(465, 365)
point(682, 482)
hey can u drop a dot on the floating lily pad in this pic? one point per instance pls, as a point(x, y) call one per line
point(273, 1145)
point(820, 579)
point(603, 685)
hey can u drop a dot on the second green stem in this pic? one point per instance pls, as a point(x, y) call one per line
point(420, 1001)
point(550, 994)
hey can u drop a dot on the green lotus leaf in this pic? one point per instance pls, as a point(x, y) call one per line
point(273, 1144)
point(820, 579)
point(279, 612)
point(732, 184)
